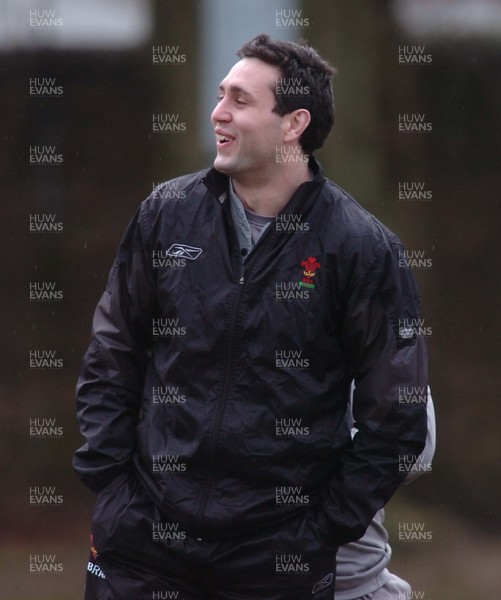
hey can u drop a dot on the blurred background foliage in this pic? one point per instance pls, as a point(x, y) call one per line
point(102, 124)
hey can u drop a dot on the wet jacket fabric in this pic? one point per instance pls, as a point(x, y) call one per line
point(224, 383)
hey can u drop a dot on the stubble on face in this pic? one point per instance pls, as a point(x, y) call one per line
point(248, 132)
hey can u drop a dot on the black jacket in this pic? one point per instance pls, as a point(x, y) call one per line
point(224, 385)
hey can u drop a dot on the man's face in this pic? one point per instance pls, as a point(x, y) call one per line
point(247, 131)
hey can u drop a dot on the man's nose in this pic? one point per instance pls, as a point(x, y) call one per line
point(220, 114)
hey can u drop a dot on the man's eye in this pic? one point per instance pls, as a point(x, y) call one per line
point(238, 101)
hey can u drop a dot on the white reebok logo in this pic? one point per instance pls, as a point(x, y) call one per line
point(184, 251)
point(323, 583)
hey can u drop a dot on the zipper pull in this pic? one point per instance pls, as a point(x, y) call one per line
point(243, 271)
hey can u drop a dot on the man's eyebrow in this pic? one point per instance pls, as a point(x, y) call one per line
point(236, 89)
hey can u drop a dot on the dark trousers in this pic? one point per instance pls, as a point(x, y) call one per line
point(137, 554)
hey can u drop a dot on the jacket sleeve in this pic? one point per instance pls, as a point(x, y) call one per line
point(386, 353)
point(423, 463)
point(111, 380)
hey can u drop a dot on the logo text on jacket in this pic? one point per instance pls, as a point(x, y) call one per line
point(184, 251)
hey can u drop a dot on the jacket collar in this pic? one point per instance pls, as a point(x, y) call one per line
point(217, 183)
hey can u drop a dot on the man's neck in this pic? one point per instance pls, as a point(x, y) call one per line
point(267, 195)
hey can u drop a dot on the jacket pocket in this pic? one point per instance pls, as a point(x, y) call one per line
point(111, 503)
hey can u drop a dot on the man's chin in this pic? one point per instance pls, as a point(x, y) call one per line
point(223, 166)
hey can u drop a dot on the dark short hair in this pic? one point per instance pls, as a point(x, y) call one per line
point(299, 63)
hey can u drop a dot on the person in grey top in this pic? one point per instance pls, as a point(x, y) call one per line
point(362, 572)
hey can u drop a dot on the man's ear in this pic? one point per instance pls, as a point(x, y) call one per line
point(296, 122)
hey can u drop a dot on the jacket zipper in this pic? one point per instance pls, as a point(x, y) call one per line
point(222, 403)
point(227, 377)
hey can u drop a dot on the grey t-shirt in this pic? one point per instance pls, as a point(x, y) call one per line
point(249, 225)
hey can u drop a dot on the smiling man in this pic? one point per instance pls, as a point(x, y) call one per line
point(252, 136)
point(214, 396)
